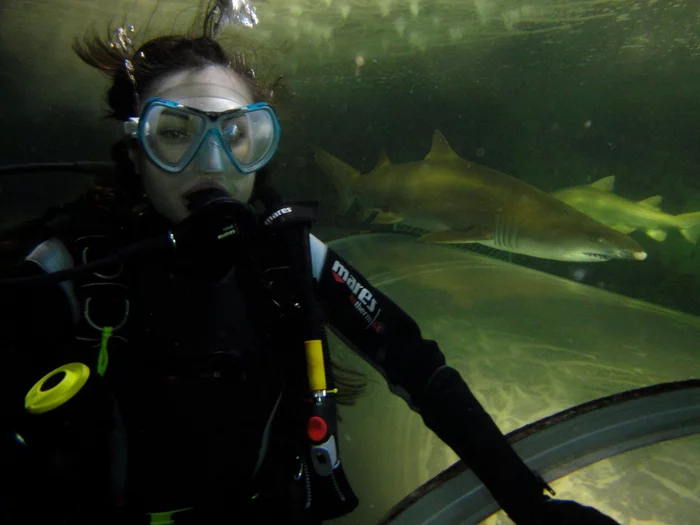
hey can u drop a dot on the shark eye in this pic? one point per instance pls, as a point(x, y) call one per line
point(600, 240)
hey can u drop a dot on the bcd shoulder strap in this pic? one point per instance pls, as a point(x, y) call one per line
point(327, 492)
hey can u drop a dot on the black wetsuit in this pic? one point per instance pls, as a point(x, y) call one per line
point(201, 403)
point(199, 370)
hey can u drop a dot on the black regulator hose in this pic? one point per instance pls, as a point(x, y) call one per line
point(81, 166)
point(138, 249)
point(216, 219)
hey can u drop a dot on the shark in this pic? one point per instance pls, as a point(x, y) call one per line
point(598, 201)
point(456, 201)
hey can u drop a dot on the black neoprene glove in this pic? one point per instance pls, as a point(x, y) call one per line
point(565, 512)
point(450, 410)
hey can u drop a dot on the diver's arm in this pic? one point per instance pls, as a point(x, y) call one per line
point(389, 339)
point(373, 325)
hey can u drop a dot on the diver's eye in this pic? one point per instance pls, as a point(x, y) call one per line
point(174, 136)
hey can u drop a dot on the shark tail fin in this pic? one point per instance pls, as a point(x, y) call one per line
point(343, 176)
point(689, 224)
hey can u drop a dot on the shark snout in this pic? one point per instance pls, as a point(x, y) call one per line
point(622, 246)
point(615, 246)
point(639, 255)
point(629, 250)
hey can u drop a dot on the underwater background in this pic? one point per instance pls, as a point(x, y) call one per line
point(555, 93)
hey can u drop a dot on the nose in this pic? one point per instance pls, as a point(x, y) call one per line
point(210, 156)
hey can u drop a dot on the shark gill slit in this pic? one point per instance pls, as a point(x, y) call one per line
point(497, 231)
point(507, 232)
point(502, 233)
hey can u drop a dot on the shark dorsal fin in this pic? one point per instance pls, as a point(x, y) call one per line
point(651, 202)
point(604, 184)
point(383, 160)
point(440, 149)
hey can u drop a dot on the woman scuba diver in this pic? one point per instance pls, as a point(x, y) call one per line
point(196, 385)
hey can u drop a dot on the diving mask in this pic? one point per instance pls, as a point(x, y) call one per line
point(172, 134)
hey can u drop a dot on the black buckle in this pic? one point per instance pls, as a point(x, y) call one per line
point(106, 304)
point(95, 247)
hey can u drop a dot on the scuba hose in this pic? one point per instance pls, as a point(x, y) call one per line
point(217, 220)
point(81, 166)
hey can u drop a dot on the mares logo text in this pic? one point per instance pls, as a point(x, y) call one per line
point(360, 296)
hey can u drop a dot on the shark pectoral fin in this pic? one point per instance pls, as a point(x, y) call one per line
point(345, 201)
point(456, 236)
point(657, 235)
point(604, 184)
point(651, 202)
point(386, 217)
point(342, 175)
point(366, 215)
point(623, 228)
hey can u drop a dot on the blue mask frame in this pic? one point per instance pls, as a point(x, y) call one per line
point(136, 128)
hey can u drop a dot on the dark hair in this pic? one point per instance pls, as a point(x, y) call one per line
point(134, 71)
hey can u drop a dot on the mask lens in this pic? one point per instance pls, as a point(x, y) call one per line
point(250, 136)
point(171, 134)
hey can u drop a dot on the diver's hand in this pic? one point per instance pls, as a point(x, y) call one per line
point(567, 512)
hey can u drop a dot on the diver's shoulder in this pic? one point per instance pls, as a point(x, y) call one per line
point(97, 212)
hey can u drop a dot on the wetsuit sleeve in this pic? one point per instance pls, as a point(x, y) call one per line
point(373, 326)
point(388, 338)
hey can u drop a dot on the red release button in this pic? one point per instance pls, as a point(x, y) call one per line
point(316, 428)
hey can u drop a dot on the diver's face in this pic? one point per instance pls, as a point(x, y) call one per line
point(214, 88)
